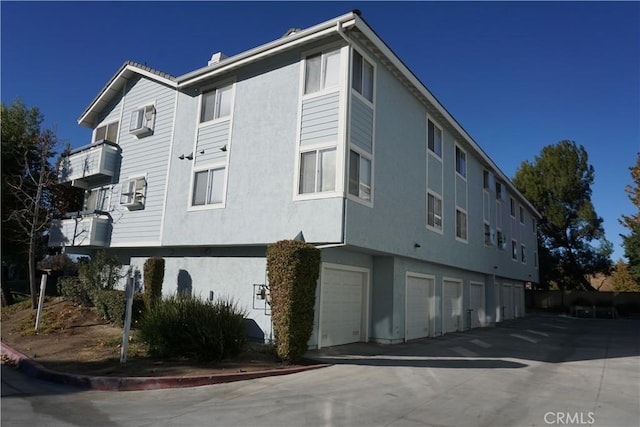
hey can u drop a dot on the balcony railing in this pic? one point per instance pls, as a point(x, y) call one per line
point(91, 228)
point(87, 166)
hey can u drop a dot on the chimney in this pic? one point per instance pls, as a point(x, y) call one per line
point(217, 57)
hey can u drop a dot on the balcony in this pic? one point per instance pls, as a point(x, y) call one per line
point(90, 165)
point(91, 229)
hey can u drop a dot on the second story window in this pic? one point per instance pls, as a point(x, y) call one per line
point(434, 138)
point(208, 187)
point(461, 162)
point(434, 211)
point(216, 103)
point(317, 171)
point(322, 71)
point(108, 132)
point(359, 176)
point(362, 79)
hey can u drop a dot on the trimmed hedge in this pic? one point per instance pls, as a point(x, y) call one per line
point(153, 277)
point(187, 326)
point(111, 305)
point(293, 268)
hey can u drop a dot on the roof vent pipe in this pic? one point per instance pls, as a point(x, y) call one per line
point(216, 57)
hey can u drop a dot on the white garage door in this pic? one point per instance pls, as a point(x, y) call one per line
point(451, 306)
point(507, 300)
point(476, 304)
point(418, 307)
point(342, 306)
point(518, 301)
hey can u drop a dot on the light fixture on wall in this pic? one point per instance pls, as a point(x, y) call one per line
point(417, 245)
point(188, 157)
point(223, 148)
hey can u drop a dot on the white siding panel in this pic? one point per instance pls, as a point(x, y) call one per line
point(211, 139)
point(461, 192)
point(434, 169)
point(146, 156)
point(320, 119)
point(361, 124)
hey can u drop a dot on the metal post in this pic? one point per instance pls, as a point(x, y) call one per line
point(43, 287)
point(127, 321)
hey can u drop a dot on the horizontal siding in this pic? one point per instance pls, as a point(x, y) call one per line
point(148, 155)
point(435, 174)
point(361, 124)
point(320, 119)
point(111, 112)
point(461, 192)
point(210, 140)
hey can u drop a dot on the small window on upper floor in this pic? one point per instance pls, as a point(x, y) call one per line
point(521, 215)
point(514, 250)
point(434, 211)
point(208, 187)
point(359, 176)
point(461, 161)
point(533, 225)
point(317, 171)
point(362, 79)
point(107, 132)
point(485, 180)
point(512, 207)
point(216, 103)
point(461, 224)
point(499, 191)
point(322, 71)
point(434, 138)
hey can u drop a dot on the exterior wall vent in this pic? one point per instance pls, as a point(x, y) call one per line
point(216, 57)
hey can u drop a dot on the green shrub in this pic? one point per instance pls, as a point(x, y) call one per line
point(153, 277)
point(100, 272)
point(111, 306)
point(73, 289)
point(60, 263)
point(293, 269)
point(188, 326)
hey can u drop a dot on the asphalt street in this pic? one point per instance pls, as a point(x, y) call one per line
point(538, 371)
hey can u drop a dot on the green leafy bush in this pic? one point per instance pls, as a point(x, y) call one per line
point(153, 277)
point(188, 326)
point(100, 272)
point(111, 306)
point(293, 268)
point(73, 289)
point(59, 263)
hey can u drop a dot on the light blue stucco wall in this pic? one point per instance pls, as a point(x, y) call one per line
point(397, 220)
point(262, 151)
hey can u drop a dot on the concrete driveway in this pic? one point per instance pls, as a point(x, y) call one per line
point(537, 371)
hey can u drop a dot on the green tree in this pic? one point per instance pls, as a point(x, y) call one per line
point(27, 178)
point(570, 234)
point(631, 242)
point(622, 279)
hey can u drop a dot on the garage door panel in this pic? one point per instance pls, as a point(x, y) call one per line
point(342, 306)
point(477, 304)
point(418, 294)
point(451, 306)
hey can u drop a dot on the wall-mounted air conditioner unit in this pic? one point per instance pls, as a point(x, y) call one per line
point(142, 121)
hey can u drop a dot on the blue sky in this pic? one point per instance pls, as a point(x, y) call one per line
point(516, 75)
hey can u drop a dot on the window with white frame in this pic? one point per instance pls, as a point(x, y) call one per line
point(434, 138)
point(521, 215)
point(461, 224)
point(514, 250)
point(486, 180)
point(208, 187)
point(98, 199)
point(362, 76)
point(216, 103)
point(502, 244)
point(512, 207)
point(107, 132)
point(499, 191)
point(523, 254)
point(322, 71)
point(359, 175)
point(489, 235)
point(533, 225)
point(133, 193)
point(461, 161)
point(317, 171)
point(434, 211)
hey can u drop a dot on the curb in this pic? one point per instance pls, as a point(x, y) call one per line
point(35, 370)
